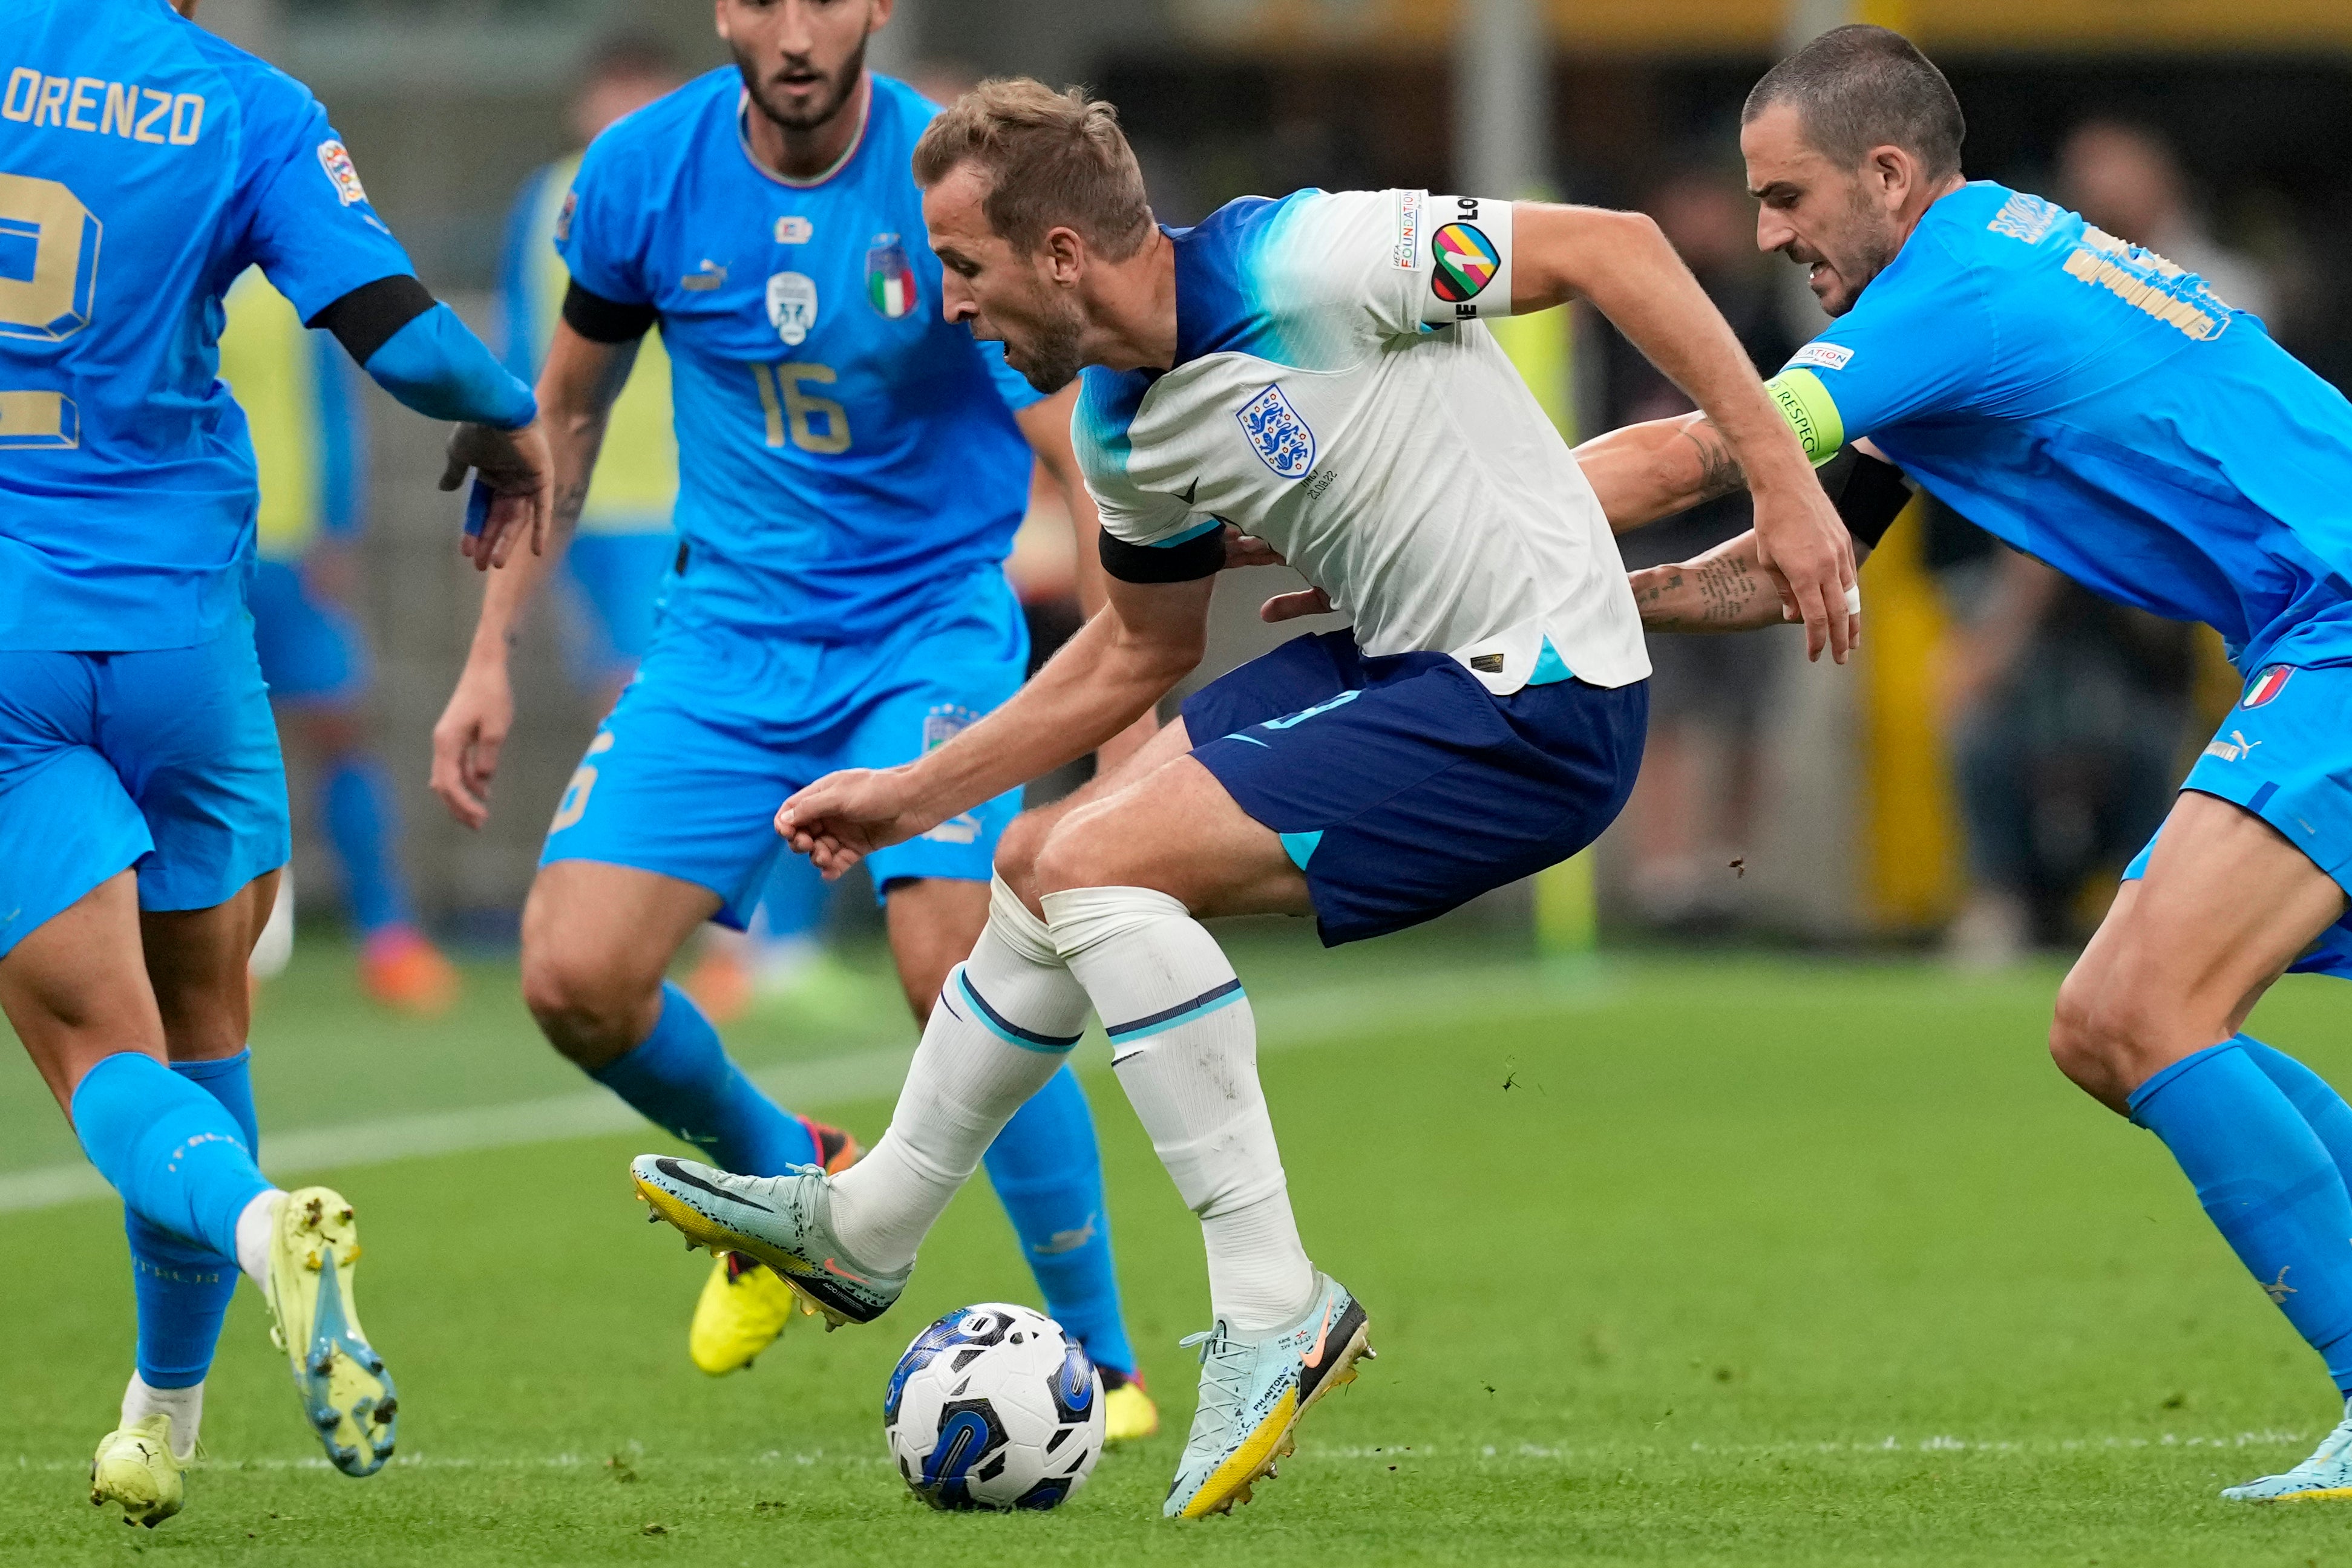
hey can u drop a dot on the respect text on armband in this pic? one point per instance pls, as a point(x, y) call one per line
point(102, 108)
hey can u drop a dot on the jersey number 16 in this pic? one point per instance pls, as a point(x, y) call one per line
point(817, 425)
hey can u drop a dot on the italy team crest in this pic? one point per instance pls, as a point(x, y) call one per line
point(1283, 441)
point(2267, 684)
point(890, 280)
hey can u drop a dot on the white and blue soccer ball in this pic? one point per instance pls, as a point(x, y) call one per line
point(994, 1407)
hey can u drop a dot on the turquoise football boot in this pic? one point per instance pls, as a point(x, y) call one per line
point(1253, 1393)
point(784, 1221)
point(2325, 1476)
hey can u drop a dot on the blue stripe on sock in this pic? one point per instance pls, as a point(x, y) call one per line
point(1003, 1027)
point(1225, 996)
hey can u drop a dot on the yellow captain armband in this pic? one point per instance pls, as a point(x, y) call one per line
point(1810, 412)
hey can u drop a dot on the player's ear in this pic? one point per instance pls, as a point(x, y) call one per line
point(1893, 173)
point(1066, 254)
point(719, 20)
point(879, 16)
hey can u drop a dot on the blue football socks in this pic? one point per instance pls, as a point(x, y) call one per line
point(175, 1154)
point(358, 815)
point(1047, 1172)
point(680, 1077)
point(182, 1287)
point(2268, 1183)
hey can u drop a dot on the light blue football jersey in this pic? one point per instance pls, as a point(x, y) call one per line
point(846, 456)
point(2104, 410)
point(145, 163)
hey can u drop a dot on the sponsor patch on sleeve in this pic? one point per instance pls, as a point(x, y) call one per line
point(1828, 356)
point(563, 217)
point(336, 159)
point(1405, 255)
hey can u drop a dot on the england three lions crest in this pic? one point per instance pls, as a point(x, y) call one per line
point(1283, 441)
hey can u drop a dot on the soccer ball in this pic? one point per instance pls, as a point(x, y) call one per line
point(992, 1406)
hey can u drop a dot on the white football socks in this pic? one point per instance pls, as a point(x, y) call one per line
point(1185, 1047)
point(1005, 1022)
point(255, 1224)
point(186, 1406)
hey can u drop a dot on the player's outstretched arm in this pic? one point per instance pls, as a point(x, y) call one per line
point(1046, 424)
point(575, 392)
point(1148, 637)
point(1624, 266)
point(1725, 590)
point(413, 347)
point(1644, 472)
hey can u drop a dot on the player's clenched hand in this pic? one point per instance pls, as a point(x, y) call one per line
point(514, 466)
point(1291, 606)
point(843, 816)
point(1245, 550)
point(1805, 547)
point(465, 742)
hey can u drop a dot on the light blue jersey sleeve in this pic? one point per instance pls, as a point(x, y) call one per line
point(309, 224)
point(1919, 342)
point(606, 230)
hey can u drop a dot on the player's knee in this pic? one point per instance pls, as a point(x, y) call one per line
point(1017, 850)
point(587, 1008)
point(2110, 1023)
point(1082, 849)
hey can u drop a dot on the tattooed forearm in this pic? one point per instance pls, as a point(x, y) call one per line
point(1719, 473)
point(1720, 592)
point(570, 500)
point(1726, 589)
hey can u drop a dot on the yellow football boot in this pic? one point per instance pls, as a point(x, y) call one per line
point(745, 1304)
point(347, 1395)
point(135, 1468)
point(1128, 1414)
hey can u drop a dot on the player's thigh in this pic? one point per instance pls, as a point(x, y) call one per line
point(190, 733)
point(196, 966)
point(75, 990)
point(933, 923)
point(676, 785)
point(1179, 831)
point(68, 823)
point(2226, 905)
point(1016, 850)
point(597, 938)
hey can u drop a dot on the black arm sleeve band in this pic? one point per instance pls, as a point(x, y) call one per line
point(365, 319)
point(1188, 562)
point(603, 320)
point(1868, 493)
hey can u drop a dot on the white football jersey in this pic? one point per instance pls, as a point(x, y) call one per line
point(1335, 395)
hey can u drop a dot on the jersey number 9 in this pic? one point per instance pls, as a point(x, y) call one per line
point(48, 302)
point(817, 425)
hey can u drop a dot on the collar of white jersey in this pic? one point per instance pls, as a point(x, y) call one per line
point(743, 139)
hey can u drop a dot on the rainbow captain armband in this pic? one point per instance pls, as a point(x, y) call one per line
point(1468, 259)
point(1810, 412)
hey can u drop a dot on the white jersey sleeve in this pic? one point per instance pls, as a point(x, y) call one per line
point(1333, 273)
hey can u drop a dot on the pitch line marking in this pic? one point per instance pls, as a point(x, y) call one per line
point(1301, 1019)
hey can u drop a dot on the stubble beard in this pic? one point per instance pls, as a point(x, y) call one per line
point(838, 91)
point(1052, 350)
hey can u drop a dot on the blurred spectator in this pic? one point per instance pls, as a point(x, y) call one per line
point(2124, 178)
point(2066, 716)
point(1692, 810)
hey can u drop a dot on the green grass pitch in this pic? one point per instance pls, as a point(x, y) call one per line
point(1695, 1260)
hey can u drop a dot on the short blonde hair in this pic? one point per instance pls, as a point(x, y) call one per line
point(1053, 159)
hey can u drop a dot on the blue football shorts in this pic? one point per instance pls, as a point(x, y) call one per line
point(613, 586)
point(312, 650)
point(1400, 785)
point(2284, 753)
point(163, 762)
point(723, 722)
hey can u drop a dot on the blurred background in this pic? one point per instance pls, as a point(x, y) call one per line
point(2000, 748)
